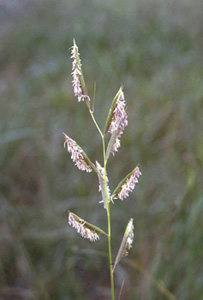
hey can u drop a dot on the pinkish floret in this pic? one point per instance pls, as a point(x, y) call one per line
point(101, 184)
point(119, 121)
point(76, 68)
point(129, 184)
point(76, 154)
point(82, 230)
point(130, 237)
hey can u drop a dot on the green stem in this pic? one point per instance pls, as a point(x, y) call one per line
point(107, 206)
point(109, 223)
point(95, 122)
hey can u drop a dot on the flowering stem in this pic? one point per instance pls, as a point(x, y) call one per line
point(109, 223)
point(95, 122)
point(108, 206)
point(115, 125)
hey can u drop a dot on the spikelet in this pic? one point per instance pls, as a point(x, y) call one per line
point(127, 184)
point(116, 122)
point(78, 155)
point(100, 174)
point(86, 230)
point(78, 81)
point(126, 243)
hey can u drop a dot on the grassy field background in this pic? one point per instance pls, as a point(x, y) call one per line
point(154, 49)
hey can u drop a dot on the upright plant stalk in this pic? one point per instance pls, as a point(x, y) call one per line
point(109, 224)
point(108, 206)
point(115, 124)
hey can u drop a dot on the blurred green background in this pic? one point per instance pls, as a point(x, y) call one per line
point(152, 47)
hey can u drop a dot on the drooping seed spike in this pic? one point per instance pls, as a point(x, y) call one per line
point(78, 156)
point(85, 229)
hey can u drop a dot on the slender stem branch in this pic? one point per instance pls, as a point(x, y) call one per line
point(95, 122)
point(109, 223)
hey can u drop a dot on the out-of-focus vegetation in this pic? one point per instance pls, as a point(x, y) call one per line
point(154, 48)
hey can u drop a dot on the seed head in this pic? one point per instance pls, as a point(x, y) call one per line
point(76, 154)
point(82, 229)
point(126, 243)
point(129, 184)
point(119, 121)
point(101, 183)
point(76, 74)
point(130, 237)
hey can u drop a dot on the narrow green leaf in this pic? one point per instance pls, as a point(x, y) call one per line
point(110, 114)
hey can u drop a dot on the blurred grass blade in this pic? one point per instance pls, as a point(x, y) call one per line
point(17, 134)
point(121, 290)
point(159, 286)
point(93, 101)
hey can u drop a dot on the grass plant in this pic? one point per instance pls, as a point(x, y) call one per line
point(115, 124)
